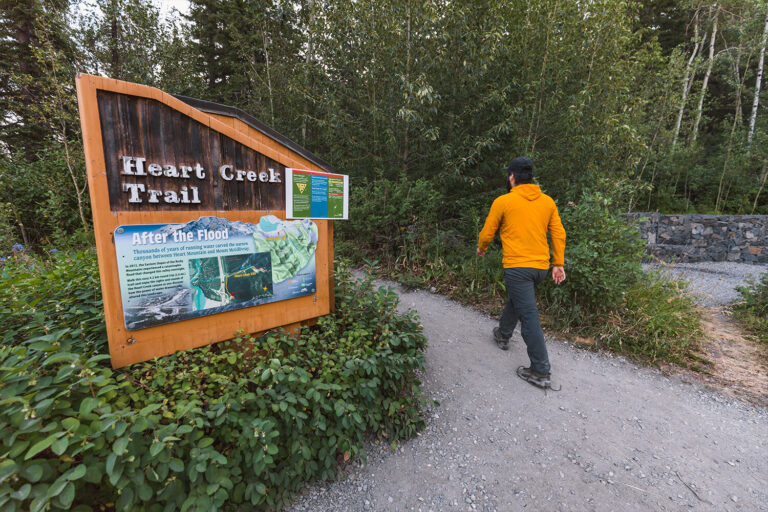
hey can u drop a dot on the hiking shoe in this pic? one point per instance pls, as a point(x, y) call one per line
point(537, 379)
point(501, 341)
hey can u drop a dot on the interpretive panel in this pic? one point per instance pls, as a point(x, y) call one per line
point(316, 195)
point(188, 200)
point(172, 272)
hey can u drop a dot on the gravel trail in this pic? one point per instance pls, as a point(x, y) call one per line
point(617, 437)
point(711, 283)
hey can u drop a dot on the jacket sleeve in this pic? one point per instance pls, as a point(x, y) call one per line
point(492, 223)
point(557, 232)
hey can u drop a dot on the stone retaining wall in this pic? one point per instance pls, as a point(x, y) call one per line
point(692, 238)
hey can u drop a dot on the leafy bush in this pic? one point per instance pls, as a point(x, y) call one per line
point(40, 296)
point(398, 216)
point(245, 421)
point(45, 205)
point(753, 309)
point(603, 259)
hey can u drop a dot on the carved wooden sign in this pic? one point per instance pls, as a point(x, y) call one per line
point(189, 218)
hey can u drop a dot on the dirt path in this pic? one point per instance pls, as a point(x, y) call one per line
point(739, 366)
point(617, 437)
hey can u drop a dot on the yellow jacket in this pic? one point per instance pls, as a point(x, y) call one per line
point(525, 215)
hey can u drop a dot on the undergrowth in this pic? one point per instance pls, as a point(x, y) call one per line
point(606, 302)
point(752, 309)
point(232, 426)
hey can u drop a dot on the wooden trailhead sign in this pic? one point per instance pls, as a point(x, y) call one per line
point(189, 214)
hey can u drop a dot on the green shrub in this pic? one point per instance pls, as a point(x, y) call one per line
point(240, 422)
point(39, 296)
point(392, 217)
point(602, 260)
point(753, 309)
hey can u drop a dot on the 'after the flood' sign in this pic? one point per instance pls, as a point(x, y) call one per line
point(173, 272)
point(189, 213)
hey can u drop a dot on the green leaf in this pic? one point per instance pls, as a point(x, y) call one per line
point(56, 487)
point(76, 473)
point(145, 492)
point(21, 493)
point(71, 424)
point(111, 459)
point(38, 504)
point(67, 496)
point(156, 448)
point(126, 499)
point(7, 468)
point(87, 405)
point(149, 409)
point(120, 445)
point(60, 445)
point(42, 445)
point(205, 442)
point(33, 473)
point(61, 356)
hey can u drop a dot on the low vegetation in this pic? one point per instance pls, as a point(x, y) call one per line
point(752, 310)
point(607, 302)
point(244, 422)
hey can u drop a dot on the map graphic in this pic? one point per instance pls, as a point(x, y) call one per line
point(291, 244)
point(173, 272)
point(230, 279)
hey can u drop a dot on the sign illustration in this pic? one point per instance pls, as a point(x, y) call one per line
point(172, 272)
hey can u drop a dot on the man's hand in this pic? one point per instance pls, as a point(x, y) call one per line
point(480, 253)
point(558, 274)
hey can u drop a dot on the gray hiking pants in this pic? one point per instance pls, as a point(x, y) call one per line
point(521, 304)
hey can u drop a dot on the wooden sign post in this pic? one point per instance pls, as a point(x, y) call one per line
point(188, 201)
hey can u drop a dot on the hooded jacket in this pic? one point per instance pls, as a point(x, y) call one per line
point(523, 217)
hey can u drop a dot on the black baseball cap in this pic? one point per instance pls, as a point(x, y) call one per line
point(521, 167)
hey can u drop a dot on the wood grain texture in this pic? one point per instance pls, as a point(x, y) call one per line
point(175, 133)
point(132, 126)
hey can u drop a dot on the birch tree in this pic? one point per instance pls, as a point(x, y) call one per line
point(705, 82)
point(758, 81)
point(688, 77)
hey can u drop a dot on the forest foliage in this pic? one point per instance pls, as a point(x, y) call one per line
point(214, 428)
point(664, 95)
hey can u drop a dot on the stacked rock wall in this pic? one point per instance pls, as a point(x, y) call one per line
point(692, 238)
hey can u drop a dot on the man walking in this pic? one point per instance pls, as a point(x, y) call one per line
point(523, 216)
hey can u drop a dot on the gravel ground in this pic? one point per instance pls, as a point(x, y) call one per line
point(711, 283)
point(617, 437)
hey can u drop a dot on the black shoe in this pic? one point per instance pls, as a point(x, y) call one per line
point(537, 379)
point(501, 341)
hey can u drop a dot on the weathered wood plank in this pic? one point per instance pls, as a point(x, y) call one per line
point(145, 128)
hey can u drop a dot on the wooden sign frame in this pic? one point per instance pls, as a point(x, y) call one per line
point(127, 347)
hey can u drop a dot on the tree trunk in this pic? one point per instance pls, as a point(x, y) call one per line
point(688, 80)
point(763, 179)
point(736, 119)
point(406, 147)
point(269, 77)
point(115, 43)
point(704, 84)
point(758, 82)
point(308, 67)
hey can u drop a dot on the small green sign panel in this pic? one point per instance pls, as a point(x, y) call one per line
point(316, 195)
